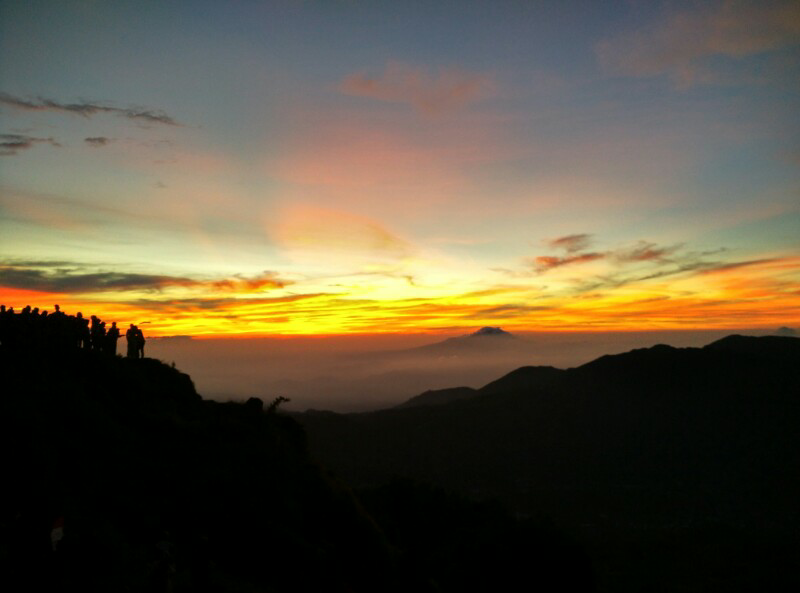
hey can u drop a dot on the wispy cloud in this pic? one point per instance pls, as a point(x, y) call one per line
point(97, 141)
point(544, 263)
point(11, 144)
point(681, 45)
point(574, 247)
point(627, 265)
point(88, 109)
point(432, 94)
point(570, 243)
point(507, 311)
point(681, 264)
point(641, 253)
point(725, 267)
point(224, 306)
point(644, 251)
point(60, 212)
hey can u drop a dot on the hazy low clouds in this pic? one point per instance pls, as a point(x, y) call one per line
point(352, 373)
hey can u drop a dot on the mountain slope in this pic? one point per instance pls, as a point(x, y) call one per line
point(154, 485)
point(438, 397)
point(627, 448)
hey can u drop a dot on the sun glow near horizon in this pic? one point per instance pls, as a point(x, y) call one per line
point(706, 298)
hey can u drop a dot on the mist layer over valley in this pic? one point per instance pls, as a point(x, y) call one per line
point(359, 373)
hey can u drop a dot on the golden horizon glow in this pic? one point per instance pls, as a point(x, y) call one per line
point(706, 299)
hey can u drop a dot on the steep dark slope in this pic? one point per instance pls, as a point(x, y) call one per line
point(153, 484)
point(524, 378)
point(628, 448)
point(437, 397)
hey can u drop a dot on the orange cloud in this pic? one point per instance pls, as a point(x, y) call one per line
point(543, 263)
point(448, 90)
point(240, 283)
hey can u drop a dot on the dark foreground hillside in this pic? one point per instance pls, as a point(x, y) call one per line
point(678, 469)
point(117, 476)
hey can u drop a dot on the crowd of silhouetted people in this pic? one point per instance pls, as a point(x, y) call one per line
point(31, 329)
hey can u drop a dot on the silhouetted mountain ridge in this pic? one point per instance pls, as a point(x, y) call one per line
point(658, 446)
point(775, 347)
point(435, 397)
point(523, 377)
point(631, 366)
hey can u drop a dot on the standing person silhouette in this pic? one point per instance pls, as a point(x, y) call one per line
point(81, 330)
point(98, 333)
point(131, 337)
point(139, 343)
point(112, 335)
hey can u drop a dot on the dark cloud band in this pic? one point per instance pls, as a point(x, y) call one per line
point(97, 141)
point(68, 277)
point(87, 109)
point(40, 280)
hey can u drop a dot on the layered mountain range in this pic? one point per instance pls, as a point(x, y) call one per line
point(662, 446)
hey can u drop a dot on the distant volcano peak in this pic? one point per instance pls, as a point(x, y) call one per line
point(491, 331)
point(486, 339)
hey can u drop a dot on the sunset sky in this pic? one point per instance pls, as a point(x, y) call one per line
point(263, 168)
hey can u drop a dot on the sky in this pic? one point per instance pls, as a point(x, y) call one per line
point(245, 168)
